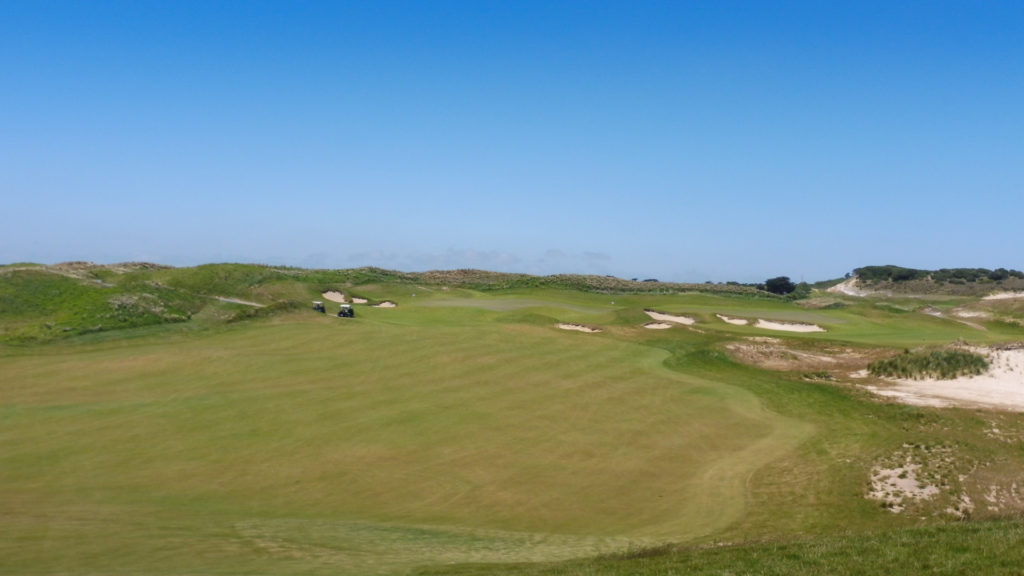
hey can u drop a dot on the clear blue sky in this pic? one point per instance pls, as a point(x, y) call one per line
point(676, 140)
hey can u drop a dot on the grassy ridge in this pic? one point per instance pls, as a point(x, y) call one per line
point(39, 303)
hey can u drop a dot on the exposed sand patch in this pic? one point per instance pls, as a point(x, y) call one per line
point(733, 321)
point(1004, 296)
point(895, 486)
point(939, 314)
point(237, 301)
point(334, 296)
point(579, 328)
point(1002, 386)
point(657, 325)
point(788, 326)
point(685, 320)
point(850, 287)
point(962, 313)
point(385, 304)
point(358, 300)
point(924, 478)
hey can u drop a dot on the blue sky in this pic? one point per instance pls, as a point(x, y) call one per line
point(684, 141)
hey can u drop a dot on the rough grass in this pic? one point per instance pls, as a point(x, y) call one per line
point(995, 548)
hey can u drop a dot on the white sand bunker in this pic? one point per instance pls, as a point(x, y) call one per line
point(657, 325)
point(733, 321)
point(334, 296)
point(1004, 296)
point(579, 328)
point(385, 304)
point(787, 326)
point(1002, 386)
point(358, 300)
point(685, 320)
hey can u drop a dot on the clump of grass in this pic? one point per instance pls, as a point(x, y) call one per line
point(818, 375)
point(940, 364)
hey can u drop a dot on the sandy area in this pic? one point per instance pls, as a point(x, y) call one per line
point(579, 328)
point(849, 287)
point(686, 320)
point(896, 485)
point(1004, 296)
point(733, 321)
point(1001, 387)
point(385, 304)
point(774, 354)
point(334, 296)
point(657, 325)
point(787, 326)
point(971, 313)
point(358, 300)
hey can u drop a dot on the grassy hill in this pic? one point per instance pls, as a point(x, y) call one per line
point(463, 432)
point(39, 303)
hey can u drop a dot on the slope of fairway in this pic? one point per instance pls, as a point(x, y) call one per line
point(312, 444)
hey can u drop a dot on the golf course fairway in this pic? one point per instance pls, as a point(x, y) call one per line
point(456, 428)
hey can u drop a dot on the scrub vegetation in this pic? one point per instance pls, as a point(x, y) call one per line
point(942, 364)
point(221, 426)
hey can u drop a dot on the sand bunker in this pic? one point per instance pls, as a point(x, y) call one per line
point(685, 320)
point(385, 304)
point(334, 296)
point(1002, 386)
point(787, 326)
point(733, 321)
point(657, 325)
point(1004, 296)
point(579, 328)
point(358, 300)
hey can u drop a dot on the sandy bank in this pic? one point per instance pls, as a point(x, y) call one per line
point(1004, 296)
point(657, 325)
point(579, 328)
point(334, 296)
point(787, 326)
point(685, 320)
point(1002, 386)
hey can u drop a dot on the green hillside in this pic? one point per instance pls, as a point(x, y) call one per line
point(220, 426)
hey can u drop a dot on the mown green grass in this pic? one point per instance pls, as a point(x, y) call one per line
point(514, 441)
point(461, 428)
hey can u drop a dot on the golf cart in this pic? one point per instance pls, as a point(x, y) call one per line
point(319, 307)
point(346, 311)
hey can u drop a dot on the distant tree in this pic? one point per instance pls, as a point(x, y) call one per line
point(779, 285)
point(999, 274)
